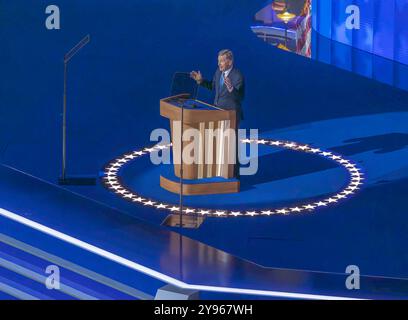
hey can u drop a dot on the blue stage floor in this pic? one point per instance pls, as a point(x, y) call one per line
point(115, 84)
point(37, 206)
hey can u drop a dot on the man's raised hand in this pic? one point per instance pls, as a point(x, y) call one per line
point(196, 75)
point(228, 84)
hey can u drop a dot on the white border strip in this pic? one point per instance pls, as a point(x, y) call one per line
point(155, 274)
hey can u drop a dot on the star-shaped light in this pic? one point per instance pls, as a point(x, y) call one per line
point(321, 204)
point(309, 207)
point(275, 143)
point(304, 147)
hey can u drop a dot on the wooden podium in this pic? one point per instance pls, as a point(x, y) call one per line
point(212, 170)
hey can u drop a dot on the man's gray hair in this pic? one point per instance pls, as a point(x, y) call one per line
point(227, 53)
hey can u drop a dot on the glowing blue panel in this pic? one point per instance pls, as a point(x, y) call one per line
point(362, 63)
point(342, 56)
point(323, 21)
point(339, 31)
point(384, 25)
point(401, 76)
point(383, 70)
point(322, 50)
point(363, 37)
point(401, 31)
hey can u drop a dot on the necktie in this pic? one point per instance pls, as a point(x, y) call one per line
point(222, 80)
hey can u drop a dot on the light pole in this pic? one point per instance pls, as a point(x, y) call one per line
point(64, 180)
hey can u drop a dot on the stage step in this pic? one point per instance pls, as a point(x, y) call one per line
point(17, 291)
point(5, 296)
point(27, 264)
point(30, 283)
point(85, 221)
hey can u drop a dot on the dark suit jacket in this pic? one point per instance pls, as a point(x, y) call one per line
point(223, 98)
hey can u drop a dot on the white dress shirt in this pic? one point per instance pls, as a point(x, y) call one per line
point(226, 72)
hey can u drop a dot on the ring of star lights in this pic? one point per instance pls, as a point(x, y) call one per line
point(112, 181)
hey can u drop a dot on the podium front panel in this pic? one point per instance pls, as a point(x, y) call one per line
point(213, 151)
point(211, 148)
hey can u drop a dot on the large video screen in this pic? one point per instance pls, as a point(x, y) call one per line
point(378, 26)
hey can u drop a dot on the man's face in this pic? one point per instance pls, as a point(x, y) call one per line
point(224, 63)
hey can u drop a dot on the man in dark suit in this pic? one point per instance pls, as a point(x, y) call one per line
point(229, 87)
point(227, 82)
